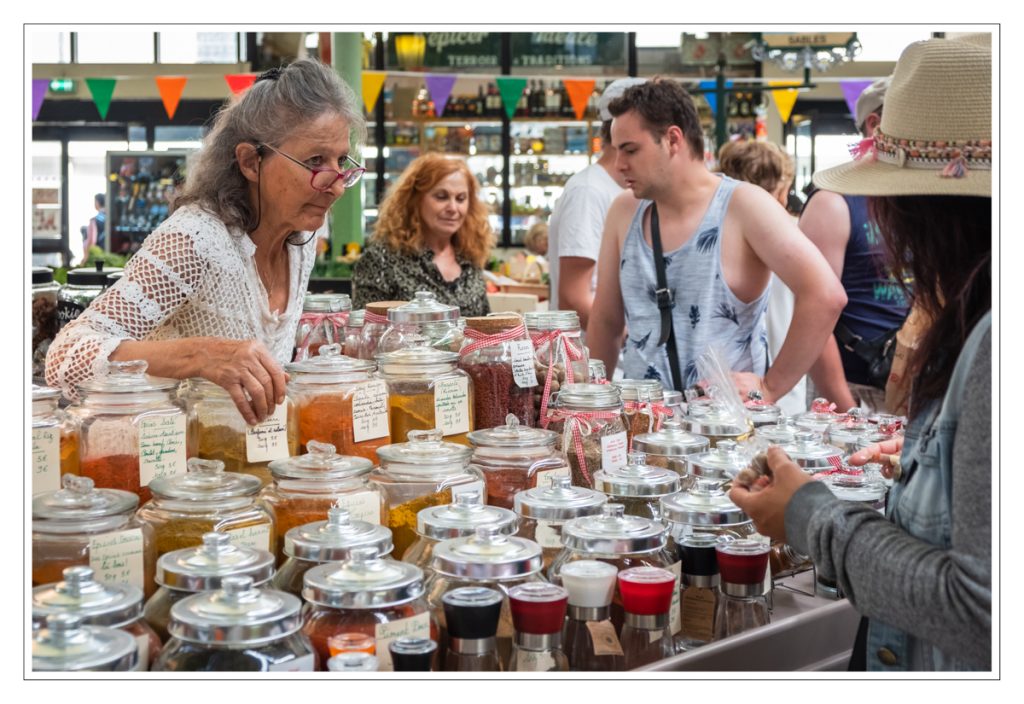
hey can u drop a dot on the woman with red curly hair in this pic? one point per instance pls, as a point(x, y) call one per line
point(432, 235)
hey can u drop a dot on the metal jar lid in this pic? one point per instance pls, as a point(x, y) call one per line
point(65, 645)
point(44, 393)
point(128, 378)
point(420, 359)
point(513, 435)
point(79, 500)
point(701, 508)
point(91, 277)
point(487, 555)
point(202, 568)
point(551, 320)
point(236, 614)
point(670, 441)
point(636, 479)
point(613, 533)
point(326, 303)
point(321, 463)
point(640, 389)
point(425, 452)
point(462, 517)
point(96, 603)
point(41, 275)
point(713, 419)
point(334, 540)
point(205, 482)
point(856, 487)
point(722, 463)
point(356, 318)
point(812, 454)
point(589, 396)
point(819, 417)
point(329, 366)
point(784, 430)
point(423, 308)
point(365, 581)
point(559, 501)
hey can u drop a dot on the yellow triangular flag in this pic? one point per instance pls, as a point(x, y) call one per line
point(373, 81)
point(785, 99)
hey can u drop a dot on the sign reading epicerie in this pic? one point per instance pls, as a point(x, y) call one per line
point(483, 49)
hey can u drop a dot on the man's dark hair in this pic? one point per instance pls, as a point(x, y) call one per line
point(101, 200)
point(606, 132)
point(662, 103)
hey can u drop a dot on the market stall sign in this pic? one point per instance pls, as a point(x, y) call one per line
point(483, 49)
point(568, 49)
point(448, 50)
point(778, 40)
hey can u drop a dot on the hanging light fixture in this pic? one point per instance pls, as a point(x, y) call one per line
point(410, 49)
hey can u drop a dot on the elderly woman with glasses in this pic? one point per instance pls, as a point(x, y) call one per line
point(216, 289)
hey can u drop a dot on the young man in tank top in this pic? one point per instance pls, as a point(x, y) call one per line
point(722, 239)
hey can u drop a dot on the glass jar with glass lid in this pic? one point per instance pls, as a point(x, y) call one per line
point(217, 431)
point(336, 399)
point(202, 569)
point(418, 474)
point(426, 316)
point(44, 317)
point(375, 324)
point(589, 417)
point(638, 486)
point(427, 390)
point(813, 455)
point(323, 320)
point(715, 421)
point(514, 458)
point(366, 594)
point(704, 509)
point(781, 432)
point(132, 428)
point(333, 540)
point(353, 334)
point(714, 468)
point(206, 498)
point(82, 288)
point(847, 431)
point(82, 525)
point(55, 439)
point(237, 628)
point(820, 415)
point(544, 510)
point(498, 356)
point(670, 447)
point(98, 604)
point(643, 406)
point(64, 644)
point(456, 520)
point(562, 358)
point(306, 487)
point(761, 412)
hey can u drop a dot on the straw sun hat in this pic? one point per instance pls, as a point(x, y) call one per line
point(935, 136)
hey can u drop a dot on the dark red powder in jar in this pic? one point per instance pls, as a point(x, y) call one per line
point(116, 472)
point(646, 591)
point(496, 394)
point(538, 608)
point(743, 564)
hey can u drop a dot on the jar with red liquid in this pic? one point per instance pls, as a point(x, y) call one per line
point(742, 565)
point(591, 643)
point(514, 458)
point(498, 356)
point(538, 615)
point(646, 600)
point(544, 510)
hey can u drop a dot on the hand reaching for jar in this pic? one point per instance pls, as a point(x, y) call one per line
point(765, 497)
point(248, 372)
point(887, 453)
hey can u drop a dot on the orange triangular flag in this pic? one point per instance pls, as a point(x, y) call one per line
point(579, 94)
point(239, 82)
point(171, 88)
point(785, 99)
point(373, 81)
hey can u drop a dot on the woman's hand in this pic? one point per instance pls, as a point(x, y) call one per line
point(886, 453)
point(766, 500)
point(247, 371)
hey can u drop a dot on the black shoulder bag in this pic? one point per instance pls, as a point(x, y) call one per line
point(877, 354)
point(666, 302)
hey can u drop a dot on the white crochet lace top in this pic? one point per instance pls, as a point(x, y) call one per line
point(193, 277)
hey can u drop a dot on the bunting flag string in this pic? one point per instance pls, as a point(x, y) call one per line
point(852, 91)
point(102, 91)
point(39, 88)
point(240, 82)
point(373, 82)
point(579, 91)
point(440, 88)
point(171, 88)
point(785, 99)
point(511, 88)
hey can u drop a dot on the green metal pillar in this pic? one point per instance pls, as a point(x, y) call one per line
point(721, 114)
point(347, 212)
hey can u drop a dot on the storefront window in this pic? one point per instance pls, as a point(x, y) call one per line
point(128, 46)
point(87, 176)
point(198, 47)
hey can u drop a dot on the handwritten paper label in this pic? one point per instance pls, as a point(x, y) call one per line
point(613, 451)
point(361, 506)
point(370, 411)
point(606, 642)
point(451, 405)
point(673, 612)
point(548, 535)
point(142, 664)
point(117, 557)
point(524, 370)
point(303, 664)
point(506, 629)
point(545, 476)
point(256, 537)
point(534, 661)
point(161, 447)
point(45, 459)
point(475, 487)
point(268, 440)
point(414, 627)
point(698, 614)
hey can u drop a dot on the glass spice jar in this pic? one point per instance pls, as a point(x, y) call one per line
point(538, 614)
point(237, 628)
point(82, 288)
point(97, 528)
point(811, 454)
point(704, 509)
point(456, 520)
point(98, 604)
point(589, 416)
point(332, 540)
point(375, 323)
point(670, 447)
point(418, 474)
point(714, 468)
point(132, 429)
point(781, 432)
point(818, 417)
point(591, 643)
point(498, 356)
point(206, 498)
point(637, 486)
point(562, 358)
point(55, 439)
point(426, 316)
point(514, 458)
point(63, 644)
point(202, 569)
point(306, 487)
point(426, 391)
point(761, 412)
point(714, 421)
point(336, 399)
point(44, 317)
point(366, 594)
point(544, 510)
point(323, 320)
point(217, 431)
point(847, 431)
point(643, 407)
point(353, 334)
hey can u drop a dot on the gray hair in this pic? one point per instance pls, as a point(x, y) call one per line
point(277, 106)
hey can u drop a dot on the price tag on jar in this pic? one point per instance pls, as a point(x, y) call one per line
point(524, 369)
point(45, 459)
point(613, 451)
point(543, 478)
point(117, 557)
point(698, 614)
point(674, 622)
point(256, 537)
point(370, 411)
point(413, 627)
point(606, 642)
point(161, 447)
point(268, 440)
point(361, 506)
point(451, 405)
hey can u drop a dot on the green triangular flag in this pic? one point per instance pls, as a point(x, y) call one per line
point(102, 90)
point(511, 89)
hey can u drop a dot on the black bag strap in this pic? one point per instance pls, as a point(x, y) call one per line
point(865, 349)
point(666, 302)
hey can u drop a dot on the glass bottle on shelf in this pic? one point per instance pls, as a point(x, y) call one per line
point(590, 641)
point(538, 614)
point(646, 598)
point(742, 564)
point(472, 615)
point(412, 654)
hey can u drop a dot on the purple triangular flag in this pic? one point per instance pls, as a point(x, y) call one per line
point(39, 86)
point(440, 87)
point(852, 91)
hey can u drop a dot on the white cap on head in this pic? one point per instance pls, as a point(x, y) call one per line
point(613, 91)
point(870, 100)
